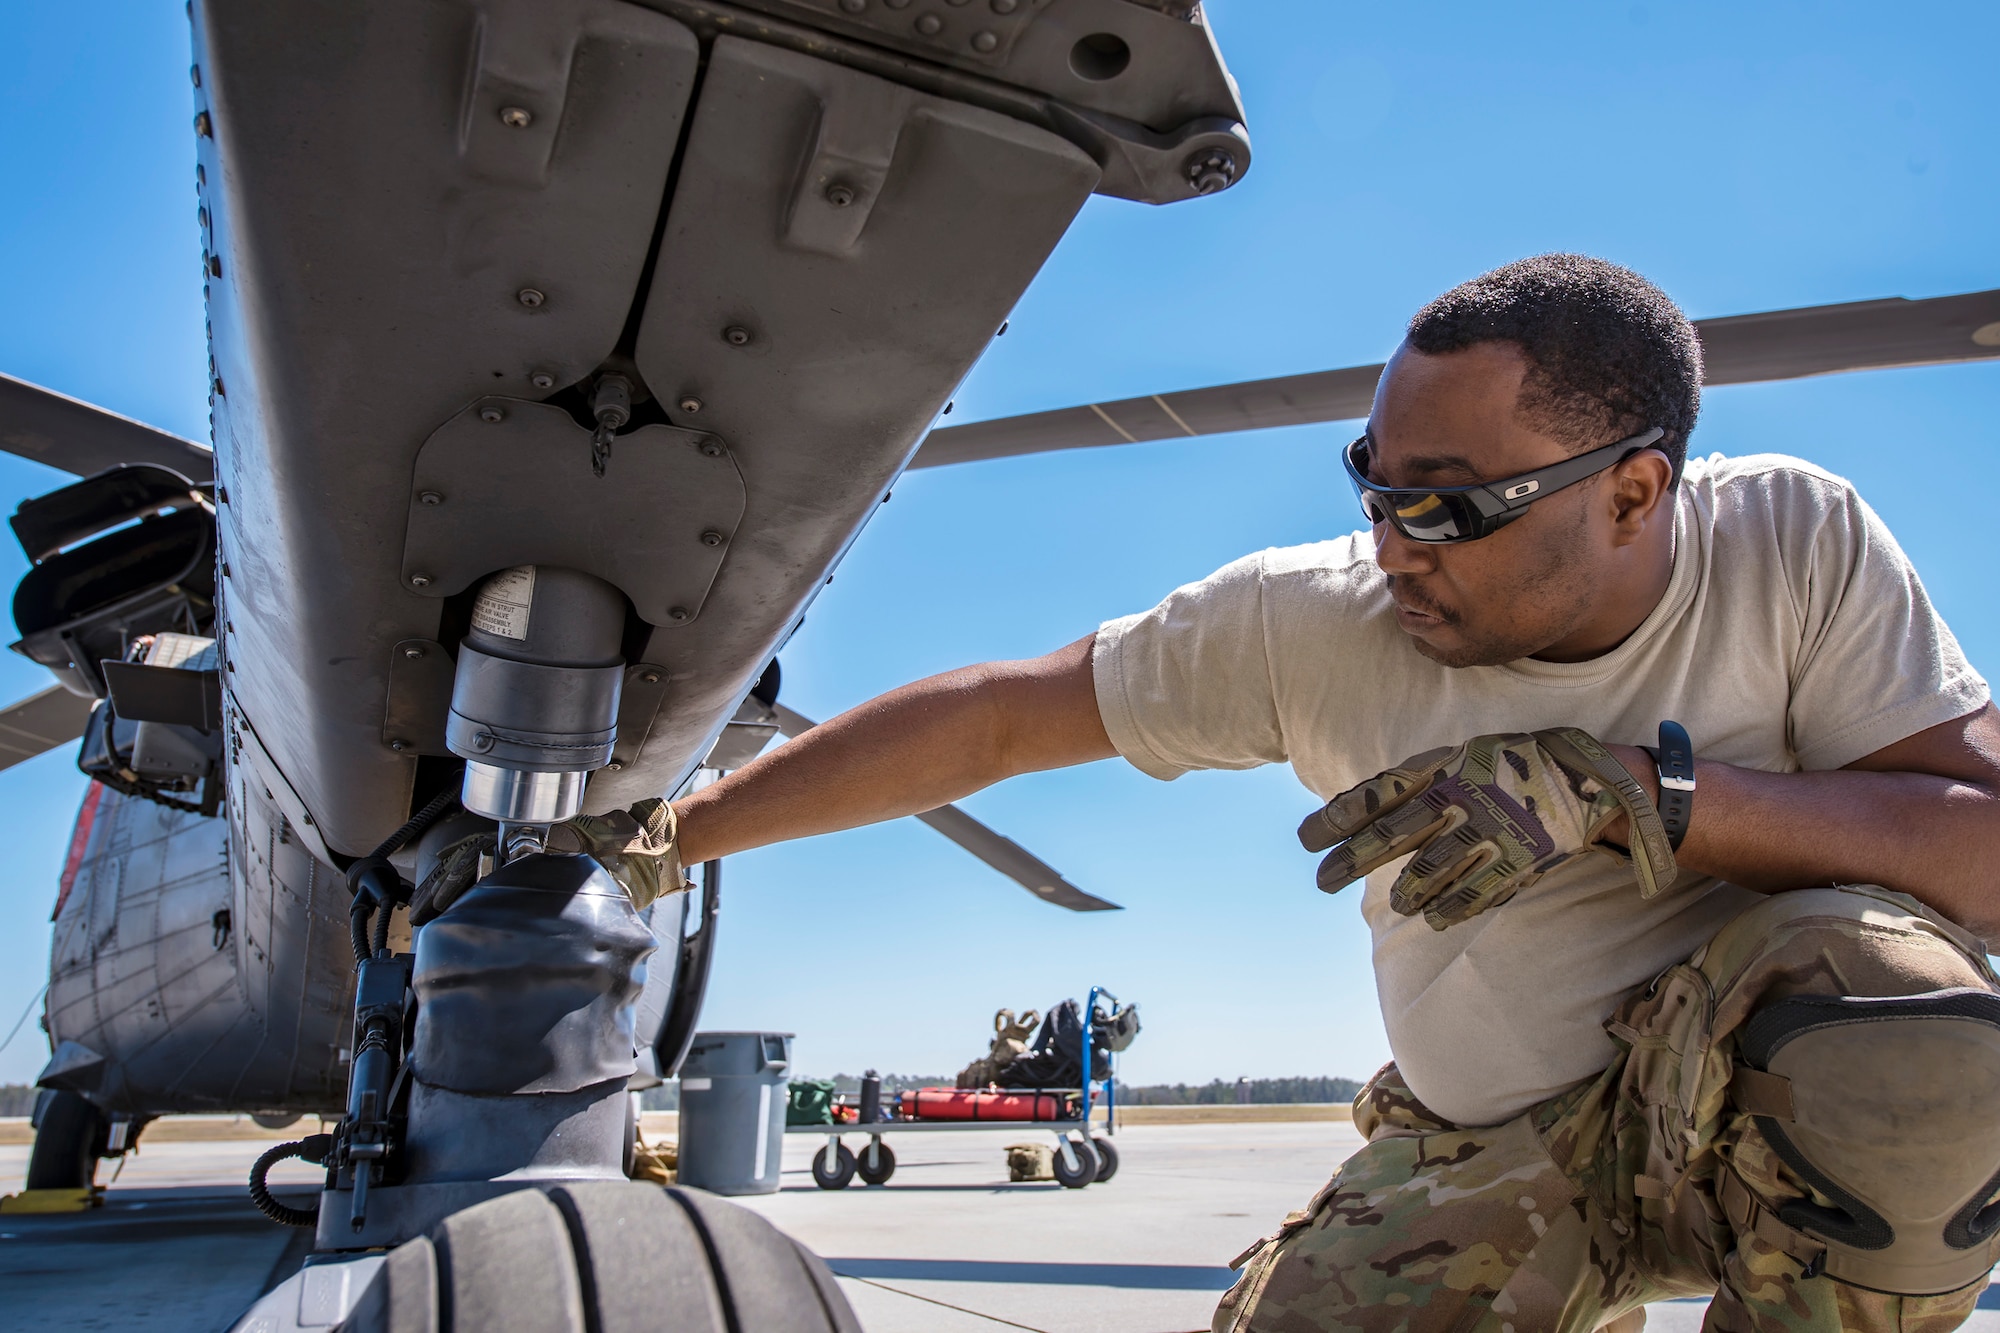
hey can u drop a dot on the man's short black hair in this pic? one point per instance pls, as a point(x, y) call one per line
point(1609, 355)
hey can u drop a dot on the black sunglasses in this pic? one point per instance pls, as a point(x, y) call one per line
point(1442, 514)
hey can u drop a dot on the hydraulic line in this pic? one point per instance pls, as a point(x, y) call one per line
point(313, 1148)
point(375, 883)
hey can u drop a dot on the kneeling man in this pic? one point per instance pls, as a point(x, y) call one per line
point(1709, 1016)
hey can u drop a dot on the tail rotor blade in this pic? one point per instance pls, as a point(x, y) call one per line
point(1005, 855)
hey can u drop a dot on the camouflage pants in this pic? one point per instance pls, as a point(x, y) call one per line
point(1613, 1194)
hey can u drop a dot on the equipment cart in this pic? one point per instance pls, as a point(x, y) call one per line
point(1080, 1158)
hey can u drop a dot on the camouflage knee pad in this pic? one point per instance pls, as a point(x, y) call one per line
point(1884, 1108)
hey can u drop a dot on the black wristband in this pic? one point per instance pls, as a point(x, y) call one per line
point(1674, 759)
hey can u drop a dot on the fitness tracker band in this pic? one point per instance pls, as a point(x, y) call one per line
point(1674, 758)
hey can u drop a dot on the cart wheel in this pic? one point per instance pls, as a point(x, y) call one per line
point(875, 1163)
point(1107, 1158)
point(833, 1167)
point(1085, 1170)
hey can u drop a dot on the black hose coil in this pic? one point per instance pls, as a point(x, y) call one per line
point(313, 1148)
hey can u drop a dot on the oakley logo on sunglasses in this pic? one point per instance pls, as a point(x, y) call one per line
point(1443, 514)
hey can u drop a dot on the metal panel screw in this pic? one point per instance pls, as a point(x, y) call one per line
point(677, 614)
point(516, 117)
point(413, 652)
point(541, 379)
point(839, 195)
point(529, 297)
point(492, 416)
point(222, 495)
point(398, 746)
point(194, 72)
point(653, 677)
point(930, 25)
point(614, 767)
point(690, 404)
point(429, 498)
point(203, 127)
point(708, 538)
point(984, 42)
point(420, 580)
point(736, 335)
point(711, 448)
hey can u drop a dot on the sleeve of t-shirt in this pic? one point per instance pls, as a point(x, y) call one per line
point(1187, 685)
point(1876, 662)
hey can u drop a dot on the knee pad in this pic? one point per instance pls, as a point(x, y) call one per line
point(1895, 1121)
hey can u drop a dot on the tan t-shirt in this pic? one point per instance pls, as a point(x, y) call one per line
point(1793, 635)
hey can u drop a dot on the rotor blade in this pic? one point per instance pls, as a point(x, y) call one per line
point(1013, 860)
point(73, 435)
point(1005, 855)
point(39, 723)
point(1860, 335)
point(1737, 349)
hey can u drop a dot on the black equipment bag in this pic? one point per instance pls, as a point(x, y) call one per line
point(1054, 1059)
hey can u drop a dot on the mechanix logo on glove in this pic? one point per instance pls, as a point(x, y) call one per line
point(1486, 819)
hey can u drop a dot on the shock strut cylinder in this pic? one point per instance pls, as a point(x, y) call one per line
point(534, 707)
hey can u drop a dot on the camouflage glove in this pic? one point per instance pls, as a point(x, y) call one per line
point(1487, 819)
point(637, 846)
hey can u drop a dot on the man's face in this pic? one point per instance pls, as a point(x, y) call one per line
point(1450, 420)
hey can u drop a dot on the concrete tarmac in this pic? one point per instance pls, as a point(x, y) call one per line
point(948, 1246)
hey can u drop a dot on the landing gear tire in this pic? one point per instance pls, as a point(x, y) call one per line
point(1107, 1158)
point(1077, 1176)
point(73, 1133)
point(602, 1255)
point(875, 1163)
point(833, 1170)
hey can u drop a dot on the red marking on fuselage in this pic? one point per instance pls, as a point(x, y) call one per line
point(78, 841)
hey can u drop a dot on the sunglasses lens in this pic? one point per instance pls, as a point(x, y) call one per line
point(1426, 516)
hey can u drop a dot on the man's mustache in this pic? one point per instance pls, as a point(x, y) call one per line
point(1416, 599)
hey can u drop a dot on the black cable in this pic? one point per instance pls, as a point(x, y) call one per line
point(388, 880)
point(357, 929)
point(418, 822)
point(381, 940)
point(313, 1148)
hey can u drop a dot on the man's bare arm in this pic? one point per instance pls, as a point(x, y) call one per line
point(910, 750)
point(1921, 816)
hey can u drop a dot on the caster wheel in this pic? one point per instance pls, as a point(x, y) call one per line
point(1107, 1158)
point(833, 1167)
point(875, 1163)
point(72, 1134)
point(1084, 1169)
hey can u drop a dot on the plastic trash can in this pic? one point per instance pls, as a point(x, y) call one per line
point(732, 1124)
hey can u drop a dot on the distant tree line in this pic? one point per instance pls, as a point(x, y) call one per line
point(1262, 1091)
point(17, 1099)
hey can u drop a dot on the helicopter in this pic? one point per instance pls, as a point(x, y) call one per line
point(558, 352)
point(373, 739)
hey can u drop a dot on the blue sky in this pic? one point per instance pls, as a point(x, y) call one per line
point(1745, 157)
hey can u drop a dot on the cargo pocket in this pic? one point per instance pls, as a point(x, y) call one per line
point(1672, 1094)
